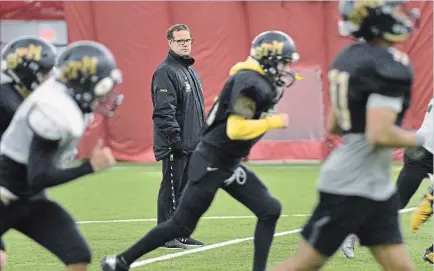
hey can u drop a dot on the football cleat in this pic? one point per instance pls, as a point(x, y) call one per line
point(348, 246)
point(429, 255)
point(113, 263)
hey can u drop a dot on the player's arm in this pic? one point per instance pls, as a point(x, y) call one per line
point(332, 126)
point(241, 126)
point(165, 104)
point(391, 85)
point(381, 130)
point(42, 171)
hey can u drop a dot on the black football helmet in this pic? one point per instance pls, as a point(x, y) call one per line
point(28, 60)
point(273, 50)
point(89, 71)
point(390, 20)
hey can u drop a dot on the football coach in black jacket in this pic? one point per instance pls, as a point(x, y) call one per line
point(178, 116)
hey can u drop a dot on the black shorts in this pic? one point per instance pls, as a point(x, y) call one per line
point(337, 216)
point(47, 223)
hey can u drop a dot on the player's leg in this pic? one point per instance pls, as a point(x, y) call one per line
point(423, 211)
point(195, 201)
point(246, 187)
point(412, 174)
point(382, 234)
point(420, 216)
point(167, 195)
point(333, 219)
point(47, 223)
point(393, 257)
point(5, 223)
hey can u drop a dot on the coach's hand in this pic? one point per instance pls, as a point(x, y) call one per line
point(101, 157)
point(176, 148)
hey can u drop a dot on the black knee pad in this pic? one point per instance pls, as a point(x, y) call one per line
point(79, 254)
point(273, 209)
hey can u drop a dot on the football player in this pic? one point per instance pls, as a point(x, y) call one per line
point(45, 127)
point(25, 63)
point(418, 165)
point(418, 162)
point(237, 120)
point(370, 90)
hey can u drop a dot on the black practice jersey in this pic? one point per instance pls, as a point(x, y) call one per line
point(245, 83)
point(363, 69)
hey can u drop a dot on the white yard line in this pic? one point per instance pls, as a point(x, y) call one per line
point(206, 218)
point(154, 219)
point(222, 244)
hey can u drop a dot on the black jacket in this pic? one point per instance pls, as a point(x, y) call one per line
point(179, 110)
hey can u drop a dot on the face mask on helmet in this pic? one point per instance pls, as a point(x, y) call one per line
point(285, 76)
point(410, 17)
point(106, 105)
point(106, 99)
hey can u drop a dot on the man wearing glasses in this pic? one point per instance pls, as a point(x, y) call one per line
point(178, 115)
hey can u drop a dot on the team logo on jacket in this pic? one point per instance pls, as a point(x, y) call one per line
point(187, 86)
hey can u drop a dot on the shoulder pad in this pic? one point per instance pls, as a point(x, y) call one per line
point(252, 85)
point(53, 122)
point(45, 121)
point(394, 65)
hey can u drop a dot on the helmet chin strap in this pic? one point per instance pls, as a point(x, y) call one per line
point(279, 94)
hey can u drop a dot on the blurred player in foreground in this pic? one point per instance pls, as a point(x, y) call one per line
point(45, 127)
point(418, 165)
point(370, 90)
point(237, 120)
point(25, 63)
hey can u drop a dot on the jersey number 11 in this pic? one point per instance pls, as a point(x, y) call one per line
point(339, 94)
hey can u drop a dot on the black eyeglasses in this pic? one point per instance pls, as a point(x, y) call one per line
point(182, 42)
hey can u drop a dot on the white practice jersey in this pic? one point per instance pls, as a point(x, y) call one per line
point(427, 127)
point(50, 113)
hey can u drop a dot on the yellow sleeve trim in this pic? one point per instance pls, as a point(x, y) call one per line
point(239, 128)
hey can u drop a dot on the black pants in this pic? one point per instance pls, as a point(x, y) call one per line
point(412, 174)
point(172, 185)
point(47, 223)
point(204, 182)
